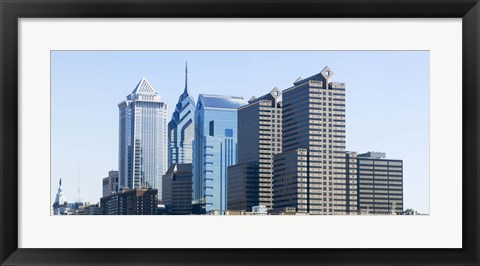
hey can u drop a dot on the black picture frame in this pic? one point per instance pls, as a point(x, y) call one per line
point(12, 10)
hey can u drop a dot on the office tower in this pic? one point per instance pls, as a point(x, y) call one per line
point(214, 149)
point(177, 189)
point(380, 184)
point(259, 128)
point(141, 201)
point(60, 206)
point(351, 181)
point(180, 128)
point(110, 183)
point(143, 139)
point(309, 171)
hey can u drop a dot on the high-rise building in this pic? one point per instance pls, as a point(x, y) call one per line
point(309, 172)
point(351, 181)
point(141, 201)
point(143, 139)
point(259, 125)
point(110, 183)
point(379, 183)
point(180, 128)
point(214, 149)
point(177, 189)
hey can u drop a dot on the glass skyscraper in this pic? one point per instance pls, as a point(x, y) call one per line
point(180, 129)
point(214, 149)
point(143, 139)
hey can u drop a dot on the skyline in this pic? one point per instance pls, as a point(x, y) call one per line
point(253, 74)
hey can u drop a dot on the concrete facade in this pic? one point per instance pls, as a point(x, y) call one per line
point(314, 131)
point(250, 182)
point(380, 184)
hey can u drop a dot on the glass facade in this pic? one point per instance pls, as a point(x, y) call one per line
point(143, 139)
point(180, 129)
point(214, 149)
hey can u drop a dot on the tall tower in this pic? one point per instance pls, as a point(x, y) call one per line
point(180, 128)
point(143, 139)
point(259, 125)
point(60, 204)
point(309, 174)
point(214, 149)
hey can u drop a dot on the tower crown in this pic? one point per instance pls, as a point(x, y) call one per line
point(144, 91)
point(327, 72)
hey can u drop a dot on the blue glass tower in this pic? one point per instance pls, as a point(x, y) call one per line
point(143, 139)
point(180, 128)
point(214, 149)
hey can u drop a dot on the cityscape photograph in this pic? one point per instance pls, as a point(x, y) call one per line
point(239, 133)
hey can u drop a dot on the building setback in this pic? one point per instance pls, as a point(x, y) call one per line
point(259, 125)
point(177, 189)
point(110, 183)
point(180, 129)
point(214, 149)
point(143, 139)
point(142, 201)
point(309, 174)
point(379, 183)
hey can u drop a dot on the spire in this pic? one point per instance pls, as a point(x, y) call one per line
point(186, 77)
point(60, 182)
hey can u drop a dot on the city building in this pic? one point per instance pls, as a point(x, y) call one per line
point(309, 174)
point(90, 209)
point(180, 128)
point(141, 201)
point(259, 125)
point(214, 149)
point(379, 184)
point(60, 205)
point(177, 189)
point(143, 139)
point(351, 180)
point(110, 183)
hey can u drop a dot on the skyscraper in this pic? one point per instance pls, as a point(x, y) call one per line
point(259, 125)
point(310, 169)
point(180, 129)
point(143, 139)
point(214, 149)
point(379, 183)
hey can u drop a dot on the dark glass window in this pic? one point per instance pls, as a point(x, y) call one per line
point(211, 128)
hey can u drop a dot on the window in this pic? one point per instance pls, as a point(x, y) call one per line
point(211, 128)
point(229, 132)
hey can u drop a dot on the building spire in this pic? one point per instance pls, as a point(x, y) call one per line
point(186, 77)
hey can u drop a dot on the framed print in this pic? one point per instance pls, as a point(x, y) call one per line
point(179, 132)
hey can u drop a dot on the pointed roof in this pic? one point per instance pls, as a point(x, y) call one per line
point(327, 72)
point(60, 197)
point(186, 78)
point(144, 87)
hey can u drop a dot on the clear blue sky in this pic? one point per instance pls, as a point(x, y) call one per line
point(387, 102)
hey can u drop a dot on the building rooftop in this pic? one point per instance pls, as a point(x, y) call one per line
point(373, 155)
point(221, 101)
